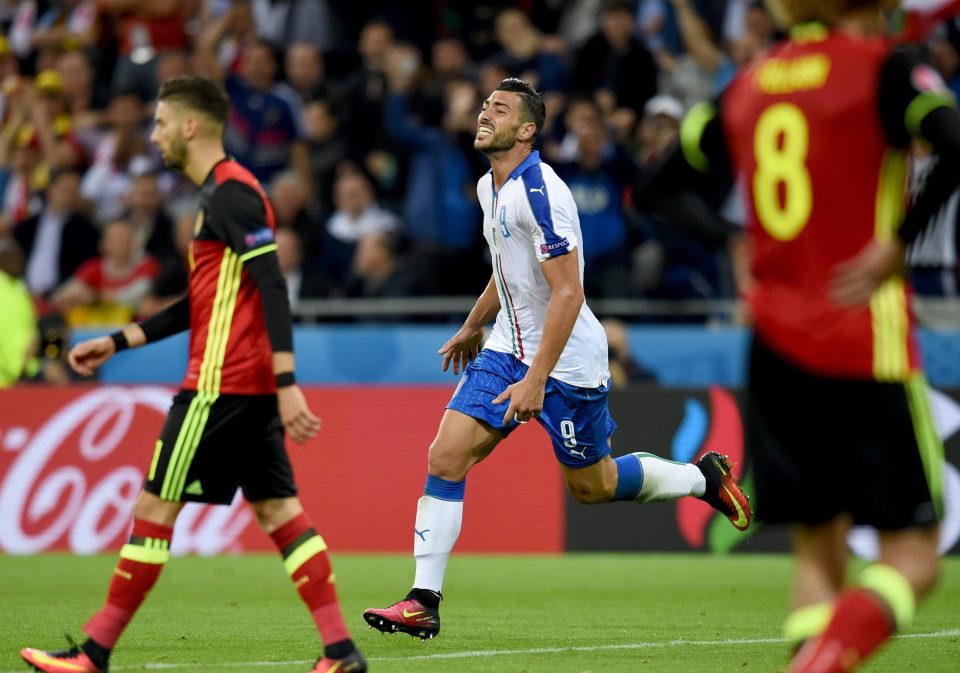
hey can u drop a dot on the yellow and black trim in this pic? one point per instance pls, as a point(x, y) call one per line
point(208, 384)
point(302, 550)
point(888, 306)
point(928, 441)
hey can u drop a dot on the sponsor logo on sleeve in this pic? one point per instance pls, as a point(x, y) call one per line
point(259, 237)
point(925, 78)
point(547, 248)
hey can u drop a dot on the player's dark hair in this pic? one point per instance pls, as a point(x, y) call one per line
point(199, 94)
point(533, 107)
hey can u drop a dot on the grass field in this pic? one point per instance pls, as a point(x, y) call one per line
point(563, 614)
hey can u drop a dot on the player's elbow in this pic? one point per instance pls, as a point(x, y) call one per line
point(571, 295)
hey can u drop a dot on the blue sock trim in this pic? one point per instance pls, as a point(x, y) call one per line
point(443, 489)
point(629, 477)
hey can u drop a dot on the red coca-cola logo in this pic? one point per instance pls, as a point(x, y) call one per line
point(72, 464)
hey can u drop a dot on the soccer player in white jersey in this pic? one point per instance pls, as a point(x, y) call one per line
point(546, 359)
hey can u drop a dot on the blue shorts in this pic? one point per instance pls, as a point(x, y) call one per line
point(577, 419)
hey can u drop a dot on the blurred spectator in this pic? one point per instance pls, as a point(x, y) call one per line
point(144, 30)
point(932, 257)
point(285, 22)
point(18, 342)
point(109, 289)
point(378, 268)
point(301, 282)
point(290, 196)
point(152, 227)
point(357, 214)
point(440, 207)
point(121, 153)
point(703, 70)
point(9, 70)
point(563, 143)
point(613, 66)
point(363, 114)
point(944, 50)
point(326, 148)
point(680, 248)
point(524, 54)
point(535, 59)
point(624, 370)
point(303, 66)
point(262, 130)
point(172, 280)
point(84, 100)
point(449, 59)
point(69, 24)
point(597, 180)
point(22, 177)
point(659, 128)
point(57, 240)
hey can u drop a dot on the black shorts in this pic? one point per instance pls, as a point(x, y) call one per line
point(212, 444)
point(822, 447)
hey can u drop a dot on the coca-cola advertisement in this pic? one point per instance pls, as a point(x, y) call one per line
point(72, 461)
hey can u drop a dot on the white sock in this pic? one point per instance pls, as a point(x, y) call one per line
point(668, 480)
point(437, 530)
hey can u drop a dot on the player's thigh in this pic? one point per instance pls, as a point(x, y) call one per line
point(265, 473)
point(895, 475)
point(578, 422)
point(793, 448)
point(462, 441)
point(188, 462)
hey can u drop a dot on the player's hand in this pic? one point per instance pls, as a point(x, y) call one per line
point(526, 400)
point(87, 355)
point(855, 280)
point(298, 420)
point(461, 349)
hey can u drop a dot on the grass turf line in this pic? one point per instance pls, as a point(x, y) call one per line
point(624, 612)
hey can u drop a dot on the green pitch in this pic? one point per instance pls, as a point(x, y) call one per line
point(561, 614)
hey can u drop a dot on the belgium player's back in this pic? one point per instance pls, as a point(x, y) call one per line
point(807, 144)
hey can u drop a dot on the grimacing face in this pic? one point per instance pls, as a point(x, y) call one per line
point(168, 136)
point(499, 122)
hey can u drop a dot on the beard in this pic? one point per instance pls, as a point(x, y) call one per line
point(500, 141)
point(176, 155)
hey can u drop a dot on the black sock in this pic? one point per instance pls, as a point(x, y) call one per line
point(339, 650)
point(98, 654)
point(429, 598)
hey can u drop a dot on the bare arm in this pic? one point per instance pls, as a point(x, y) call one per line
point(696, 37)
point(566, 298)
point(465, 344)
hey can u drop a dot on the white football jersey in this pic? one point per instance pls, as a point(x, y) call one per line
point(531, 219)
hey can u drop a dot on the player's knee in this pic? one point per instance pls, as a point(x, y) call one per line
point(274, 512)
point(149, 507)
point(446, 464)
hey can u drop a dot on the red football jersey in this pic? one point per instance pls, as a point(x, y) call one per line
point(808, 146)
point(229, 347)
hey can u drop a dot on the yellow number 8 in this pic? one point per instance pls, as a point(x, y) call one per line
point(780, 145)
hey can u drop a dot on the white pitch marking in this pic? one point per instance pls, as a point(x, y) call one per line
point(476, 654)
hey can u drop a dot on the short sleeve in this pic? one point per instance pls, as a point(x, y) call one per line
point(239, 218)
point(908, 91)
point(554, 214)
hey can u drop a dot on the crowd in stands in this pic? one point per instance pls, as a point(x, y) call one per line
point(359, 119)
